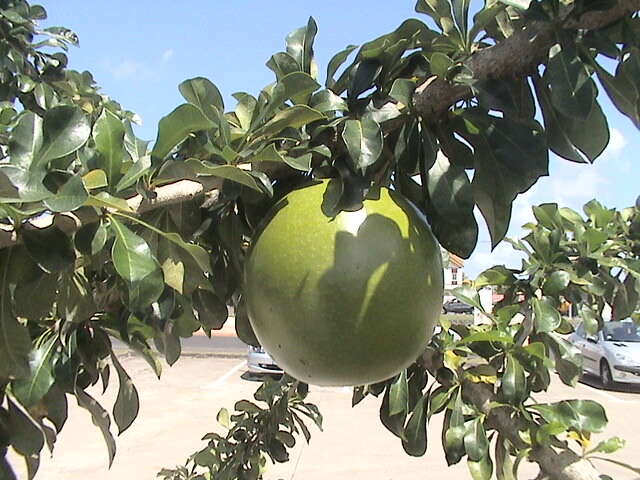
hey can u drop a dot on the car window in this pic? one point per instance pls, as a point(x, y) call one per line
point(625, 332)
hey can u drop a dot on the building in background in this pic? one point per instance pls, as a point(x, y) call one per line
point(453, 273)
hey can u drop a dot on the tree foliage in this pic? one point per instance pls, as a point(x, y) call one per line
point(146, 244)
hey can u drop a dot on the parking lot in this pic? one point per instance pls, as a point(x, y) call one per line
point(178, 410)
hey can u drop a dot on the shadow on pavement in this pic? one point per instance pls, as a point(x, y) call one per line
point(259, 377)
point(595, 382)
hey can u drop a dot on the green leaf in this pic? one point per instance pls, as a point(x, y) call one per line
point(510, 155)
point(622, 91)
point(245, 109)
point(50, 247)
point(135, 172)
point(223, 418)
point(296, 86)
point(228, 172)
point(202, 93)
point(611, 445)
point(546, 317)
point(414, 440)
point(69, 197)
point(293, 117)
point(300, 46)
point(283, 64)
point(212, 312)
point(476, 443)
point(99, 417)
point(402, 91)
point(513, 383)
point(108, 134)
point(336, 62)
point(453, 432)
point(364, 141)
point(490, 336)
point(26, 140)
point(576, 140)
point(482, 469)
point(65, 130)
point(132, 257)
point(580, 415)
point(452, 197)
point(95, 179)
point(176, 127)
point(30, 390)
point(398, 394)
point(108, 201)
point(468, 295)
point(15, 343)
point(626, 298)
point(302, 163)
point(547, 215)
point(127, 404)
point(26, 435)
point(497, 275)
point(556, 282)
point(75, 300)
point(326, 101)
point(572, 90)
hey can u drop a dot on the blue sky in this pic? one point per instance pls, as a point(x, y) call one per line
point(139, 51)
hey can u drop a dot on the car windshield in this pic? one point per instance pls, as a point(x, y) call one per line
point(622, 332)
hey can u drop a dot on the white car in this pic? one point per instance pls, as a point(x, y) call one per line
point(613, 354)
point(260, 362)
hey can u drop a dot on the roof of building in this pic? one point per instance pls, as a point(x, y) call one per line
point(456, 261)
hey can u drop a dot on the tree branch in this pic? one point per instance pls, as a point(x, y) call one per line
point(516, 56)
point(562, 465)
point(68, 222)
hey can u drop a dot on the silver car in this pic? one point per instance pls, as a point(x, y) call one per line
point(260, 362)
point(613, 354)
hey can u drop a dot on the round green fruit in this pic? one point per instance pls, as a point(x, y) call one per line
point(345, 300)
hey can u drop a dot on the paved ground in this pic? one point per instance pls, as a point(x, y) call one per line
point(179, 409)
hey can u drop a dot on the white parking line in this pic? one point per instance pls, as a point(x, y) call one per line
point(216, 383)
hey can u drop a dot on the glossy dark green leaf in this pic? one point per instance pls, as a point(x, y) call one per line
point(65, 130)
point(302, 163)
point(283, 64)
point(50, 247)
point(577, 140)
point(510, 156)
point(572, 90)
point(212, 312)
point(132, 257)
point(364, 141)
point(30, 390)
point(482, 469)
point(175, 127)
point(336, 62)
point(504, 464)
point(300, 46)
point(75, 301)
point(327, 101)
point(108, 134)
point(26, 435)
point(100, 418)
point(580, 415)
point(546, 317)
point(547, 215)
point(15, 343)
point(476, 443)
point(453, 432)
point(512, 97)
point(556, 282)
point(513, 383)
point(293, 117)
point(91, 238)
point(296, 86)
point(69, 197)
point(568, 359)
point(489, 336)
point(94, 179)
point(243, 326)
point(451, 196)
point(246, 109)
point(622, 91)
point(202, 93)
point(127, 404)
point(145, 291)
point(34, 307)
point(26, 140)
point(627, 298)
point(363, 76)
point(414, 441)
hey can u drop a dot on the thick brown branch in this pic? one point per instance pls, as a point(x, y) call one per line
point(558, 465)
point(68, 222)
point(517, 56)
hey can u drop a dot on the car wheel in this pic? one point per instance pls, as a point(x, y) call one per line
point(605, 374)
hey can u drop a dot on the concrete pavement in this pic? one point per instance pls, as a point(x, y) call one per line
point(179, 409)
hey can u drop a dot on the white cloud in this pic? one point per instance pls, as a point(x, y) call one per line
point(617, 142)
point(127, 68)
point(167, 55)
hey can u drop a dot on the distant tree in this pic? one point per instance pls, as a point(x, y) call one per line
point(103, 236)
